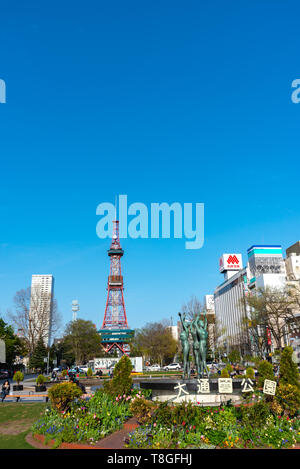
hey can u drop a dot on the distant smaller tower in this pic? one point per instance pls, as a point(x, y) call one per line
point(75, 309)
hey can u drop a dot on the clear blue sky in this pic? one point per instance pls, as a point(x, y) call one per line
point(162, 101)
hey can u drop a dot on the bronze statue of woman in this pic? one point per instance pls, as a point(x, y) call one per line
point(196, 346)
point(201, 327)
point(184, 337)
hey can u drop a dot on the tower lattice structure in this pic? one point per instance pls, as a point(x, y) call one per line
point(115, 332)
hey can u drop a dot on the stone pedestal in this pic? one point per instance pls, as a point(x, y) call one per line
point(189, 390)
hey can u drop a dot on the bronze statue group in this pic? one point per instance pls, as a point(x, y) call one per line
point(198, 329)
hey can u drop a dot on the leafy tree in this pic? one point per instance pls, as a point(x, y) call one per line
point(155, 342)
point(265, 371)
point(36, 360)
point(121, 382)
point(14, 346)
point(288, 368)
point(81, 340)
point(234, 356)
point(271, 309)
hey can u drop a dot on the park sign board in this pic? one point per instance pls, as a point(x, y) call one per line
point(205, 388)
point(269, 387)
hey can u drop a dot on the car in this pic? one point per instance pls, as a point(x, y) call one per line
point(4, 374)
point(154, 368)
point(76, 370)
point(172, 366)
point(84, 368)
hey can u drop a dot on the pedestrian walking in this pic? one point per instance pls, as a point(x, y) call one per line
point(5, 390)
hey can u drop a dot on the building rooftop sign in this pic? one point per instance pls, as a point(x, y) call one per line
point(230, 262)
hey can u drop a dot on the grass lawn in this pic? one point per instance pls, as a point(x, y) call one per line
point(15, 422)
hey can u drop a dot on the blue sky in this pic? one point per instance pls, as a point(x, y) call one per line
point(162, 101)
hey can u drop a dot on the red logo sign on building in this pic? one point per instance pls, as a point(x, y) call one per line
point(232, 260)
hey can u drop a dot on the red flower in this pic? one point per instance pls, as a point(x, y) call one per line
point(183, 423)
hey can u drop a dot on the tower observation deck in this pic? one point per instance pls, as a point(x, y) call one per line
point(115, 333)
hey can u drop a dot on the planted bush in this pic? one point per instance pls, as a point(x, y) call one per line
point(121, 382)
point(62, 395)
point(141, 408)
point(288, 397)
point(289, 373)
point(265, 371)
point(40, 380)
point(224, 373)
point(18, 377)
point(89, 372)
point(250, 373)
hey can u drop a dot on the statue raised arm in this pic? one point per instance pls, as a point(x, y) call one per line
point(184, 338)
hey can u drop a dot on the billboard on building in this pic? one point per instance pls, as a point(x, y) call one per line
point(209, 302)
point(230, 262)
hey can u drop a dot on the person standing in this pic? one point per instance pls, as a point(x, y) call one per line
point(5, 390)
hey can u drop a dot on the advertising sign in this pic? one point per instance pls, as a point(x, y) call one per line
point(209, 302)
point(230, 262)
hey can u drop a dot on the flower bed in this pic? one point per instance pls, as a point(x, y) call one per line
point(84, 421)
point(189, 426)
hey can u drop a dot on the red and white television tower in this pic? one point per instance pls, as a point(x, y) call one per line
point(115, 332)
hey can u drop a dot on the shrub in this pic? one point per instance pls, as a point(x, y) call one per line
point(224, 373)
point(64, 373)
point(288, 369)
point(63, 394)
point(256, 415)
point(122, 380)
point(229, 368)
point(288, 397)
point(89, 372)
point(250, 373)
point(40, 379)
point(18, 377)
point(163, 414)
point(265, 371)
point(141, 409)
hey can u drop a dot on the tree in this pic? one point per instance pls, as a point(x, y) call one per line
point(288, 368)
point(14, 346)
point(82, 340)
point(37, 357)
point(271, 309)
point(265, 371)
point(31, 316)
point(234, 356)
point(155, 342)
point(122, 380)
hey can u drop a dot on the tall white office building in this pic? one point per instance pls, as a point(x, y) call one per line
point(41, 307)
point(230, 305)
